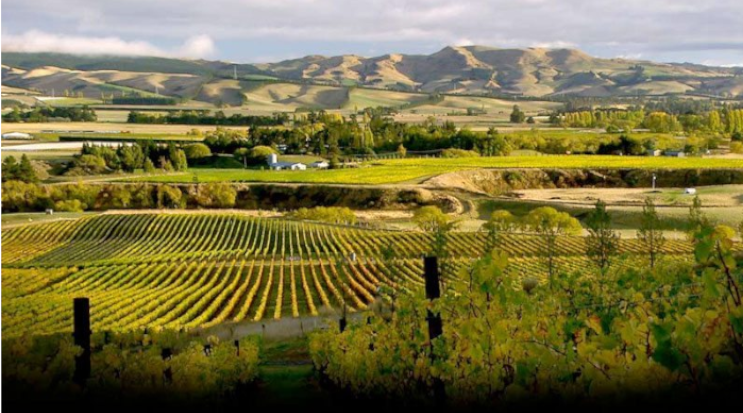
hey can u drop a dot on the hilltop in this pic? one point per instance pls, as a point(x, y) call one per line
point(320, 81)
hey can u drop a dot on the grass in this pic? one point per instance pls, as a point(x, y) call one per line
point(625, 218)
point(11, 220)
point(127, 137)
point(411, 170)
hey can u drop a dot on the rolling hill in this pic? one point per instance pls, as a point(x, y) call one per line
point(322, 82)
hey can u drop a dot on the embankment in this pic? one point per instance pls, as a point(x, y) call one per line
point(497, 181)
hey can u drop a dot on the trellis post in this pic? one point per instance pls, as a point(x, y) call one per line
point(81, 335)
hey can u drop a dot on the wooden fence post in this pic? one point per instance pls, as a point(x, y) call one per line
point(81, 307)
point(435, 326)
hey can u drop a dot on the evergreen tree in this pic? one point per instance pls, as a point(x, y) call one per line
point(26, 172)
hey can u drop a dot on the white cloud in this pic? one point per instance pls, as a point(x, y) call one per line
point(463, 42)
point(39, 41)
point(659, 29)
point(197, 46)
point(558, 44)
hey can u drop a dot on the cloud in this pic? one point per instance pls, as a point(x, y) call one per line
point(557, 44)
point(39, 41)
point(250, 28)
point(197, 46)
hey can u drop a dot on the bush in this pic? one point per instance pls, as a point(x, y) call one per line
point(458, 153)
point(259, 154)
point(216, 195)
point(169, 197)
point(88, 165)
point(197, 151)
point(336, 215)
point(70, 205)
point(736, 147)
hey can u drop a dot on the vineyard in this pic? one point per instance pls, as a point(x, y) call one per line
point(198, 270)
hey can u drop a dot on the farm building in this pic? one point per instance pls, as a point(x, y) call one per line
point(17, 135)
point(675, 154)
point(654, 152)
point(273, 163)
point(320, 165)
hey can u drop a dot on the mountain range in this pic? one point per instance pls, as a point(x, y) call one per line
point(470, 70)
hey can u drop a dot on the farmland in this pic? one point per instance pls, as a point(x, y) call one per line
point(198, 270)
point(416, 170)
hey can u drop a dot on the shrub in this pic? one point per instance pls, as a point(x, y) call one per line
point(259, 154)
point(458, 153)
point(70, 205)
point(197, 151)
point(337, 215)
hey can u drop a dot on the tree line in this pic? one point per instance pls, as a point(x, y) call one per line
point(51, 114)
point(727, 120)
point(205, 117)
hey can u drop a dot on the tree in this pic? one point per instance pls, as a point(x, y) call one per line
point(216, 195)
point(530, 120)
point(242, 154)
point(131, 157)
point(517, 116)
point(179, 160)
point(650, 232)
point(197, 151)
point(23, 171)
point(401, 151)
point(148, 166)
point(602, 242)
point(334, 163)
point(697, 219)
point(551, 224)
point(26, 172)
point(431, 219)
point(18, 196)
point(259, 154)
point(500, 222)
point(169, 197)
point(88, 165)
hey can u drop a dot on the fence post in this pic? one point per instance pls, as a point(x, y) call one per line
point(342, 324)
point(81, 307)
point(435, 326)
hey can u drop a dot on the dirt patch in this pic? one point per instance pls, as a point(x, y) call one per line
point(499, 181)
point(730, 196)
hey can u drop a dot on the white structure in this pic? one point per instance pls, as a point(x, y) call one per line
point(675, 154)
point(655, 152)
point(320, 165)
point(17, 135)
point(690, 191)
point(273, 163)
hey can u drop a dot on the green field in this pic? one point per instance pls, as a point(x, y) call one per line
point(411, 170)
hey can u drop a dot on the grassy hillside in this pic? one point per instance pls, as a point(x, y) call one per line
point(452, 70)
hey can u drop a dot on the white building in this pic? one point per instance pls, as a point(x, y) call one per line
point(320, 165)
point(675, 154)
point(655, 152)
point(273, 163)
point(17, 135)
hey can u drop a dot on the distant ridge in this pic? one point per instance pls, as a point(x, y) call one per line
point(481, 70)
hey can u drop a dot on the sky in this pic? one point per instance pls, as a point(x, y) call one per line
point(252, 31)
